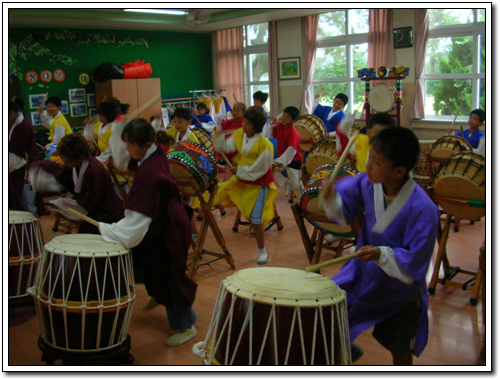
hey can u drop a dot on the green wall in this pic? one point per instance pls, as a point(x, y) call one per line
point(183, 61)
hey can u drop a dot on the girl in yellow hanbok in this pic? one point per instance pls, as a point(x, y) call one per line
point(251, 188)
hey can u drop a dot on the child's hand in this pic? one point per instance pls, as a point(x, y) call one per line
point(368, 253)
point(40, 109)
point(86, 121)
point(279, 165)
point(234, 169)
point(273, 121)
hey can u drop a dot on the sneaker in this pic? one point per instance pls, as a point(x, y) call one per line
point(356, 353)
point(262, 258)
point(182, 337)
point(288, 188)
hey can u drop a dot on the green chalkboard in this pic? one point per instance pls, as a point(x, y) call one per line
point(183, 61)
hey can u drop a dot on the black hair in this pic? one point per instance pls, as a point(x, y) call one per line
point(202, 105)
point(382, 119)
point(121, 108)
point(163, 138)
point(182, 113)
point(18, 99)
point(257, 117)
point(139, 131)
point(480, 113)
point(262, 96)
point(55, 100)
point(13, 107)
point(342, 97)
point(293, 112)
point(73, 146)
point(399, 145)
point(108, 110)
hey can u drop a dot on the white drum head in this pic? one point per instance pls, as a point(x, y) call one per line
point(382, 97)
point(21, 217)
point(85, 246)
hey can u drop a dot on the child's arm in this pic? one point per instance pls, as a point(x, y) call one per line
point(481, 148)
point(121, 157)
point(385, 258)
point(287, 157)
point(259, 168)
point(129, 231)
point(89, 131)
point(44, 117)
point(226, 145)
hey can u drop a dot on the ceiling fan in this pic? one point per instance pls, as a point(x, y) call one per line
point(195, 17)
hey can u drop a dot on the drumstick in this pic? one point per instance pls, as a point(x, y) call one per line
point(45, 98)
point(83, 217)
point(144, 107)
point(41, 146)
point(452, 124)
point(462, 131)
point(314, 268)
point(470, 202)
point(225, 159)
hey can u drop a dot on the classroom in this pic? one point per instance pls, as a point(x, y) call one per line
point(300, 186)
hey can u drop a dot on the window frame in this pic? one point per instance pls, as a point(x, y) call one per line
point(474, 29)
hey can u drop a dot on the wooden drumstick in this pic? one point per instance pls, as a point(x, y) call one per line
point(462, 130)
point(225, 159)
point(314, 268)
point(83, 217)
point(144, 107)
point(452, 124)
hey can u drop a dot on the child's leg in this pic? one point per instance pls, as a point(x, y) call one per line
point(294, 178)
point(256, 221)
point(279, 179)
point(258, 229)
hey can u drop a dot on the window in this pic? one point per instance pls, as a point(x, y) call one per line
point(342, 50)
point(455, 65)
point(256, 61)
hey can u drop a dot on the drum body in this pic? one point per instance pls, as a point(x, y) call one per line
point(382, 97)
point(25, 248)
point(421, 166)
point(324, 152)
point(445, 146)
point(278, 316)
point(311, 129)
point(204, 140)
point(84, 293)
point(193, 163)
point(462, 176)
point(309, 202)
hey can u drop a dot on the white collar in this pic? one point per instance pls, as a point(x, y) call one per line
point(185, 137)
point(58, 113)
point(248, 142)
point(103, 128)
point(150, 151)
point(385, 217)
point(19, 120)
point(332, 112)
point(78, 178)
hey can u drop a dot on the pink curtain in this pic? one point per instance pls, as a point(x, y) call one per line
point(272, 44)
point(421, 38)
point(228, 46)
point(309, 34)
point(380, 39)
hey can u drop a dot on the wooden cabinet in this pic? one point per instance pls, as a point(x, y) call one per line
point(135, 92)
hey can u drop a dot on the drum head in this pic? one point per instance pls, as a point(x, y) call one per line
point(21, 217)
point(382, 97)
point(85, 246)
point(204, 139)
point(311, 129)
point(284, 286)
point(445, 146)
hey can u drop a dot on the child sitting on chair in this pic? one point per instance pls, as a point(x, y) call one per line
point(473, 135)
point(386, 285)
point(203, 120)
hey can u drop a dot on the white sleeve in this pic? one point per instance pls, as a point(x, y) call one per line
point(156, 124)
point(209, 127)
point(89, 132)
point(104, 156)
point(121, 157)
point(287, 156)
point(390, 265)
point(43, 182)
point(59, 133)
point(45, 118)
point(334, 210)
point(257, 169)
point(481, 148)
point(15, 162)
point(268, 130)
point(129, 231)
point(226, 145)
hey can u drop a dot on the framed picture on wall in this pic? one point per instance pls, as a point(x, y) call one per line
point(78, 109)
point(91, 100)
point(289, 68)
point(92, 112)
point(76, 95)
point(64, 107)
point(35, 118)
point(36, 100)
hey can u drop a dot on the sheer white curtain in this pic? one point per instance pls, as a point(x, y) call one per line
point(272, 45)
point(380, 39)
point(421, 38)
point(309, 35)
point(229, 74)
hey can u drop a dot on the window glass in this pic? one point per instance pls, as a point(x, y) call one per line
point(331, 24)
point(259, 70)
point(482, 55)
point(358, 21)
point(447, 96)
point(442, 17)
point(331, 62)
point(449, 55)
point(482, 94)
point(359, 54)
point(328, 91)
point(256, 34)
point(481, 15)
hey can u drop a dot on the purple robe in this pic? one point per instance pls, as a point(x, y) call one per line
point(372, 295)
point(21, 143)
point(163, 251)
point(323, 111)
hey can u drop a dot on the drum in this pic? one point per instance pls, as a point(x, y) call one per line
point(204, 139)
point(324, 152)
point(84, 293)
point(192, 163)
point(445, 146)
point(309, 202)
point(311, 129)
point(278, 316)
point(25, 248)
point(53, 157)
point(461, 176)
point(382, 97)
point(420, 168)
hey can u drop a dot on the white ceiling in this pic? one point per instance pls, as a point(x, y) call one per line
point(114, 18)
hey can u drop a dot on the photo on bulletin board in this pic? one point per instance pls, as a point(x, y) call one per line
point(79, 109)
point(64, 107)
point(289, 68)
point(91, 100)
point(35, 118)
point(76, 95)
point(36, 100)
point(92, 112)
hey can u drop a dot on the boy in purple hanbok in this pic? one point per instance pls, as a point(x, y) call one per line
point(386, 285)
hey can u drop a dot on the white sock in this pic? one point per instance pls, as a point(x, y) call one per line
point(261, 250)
